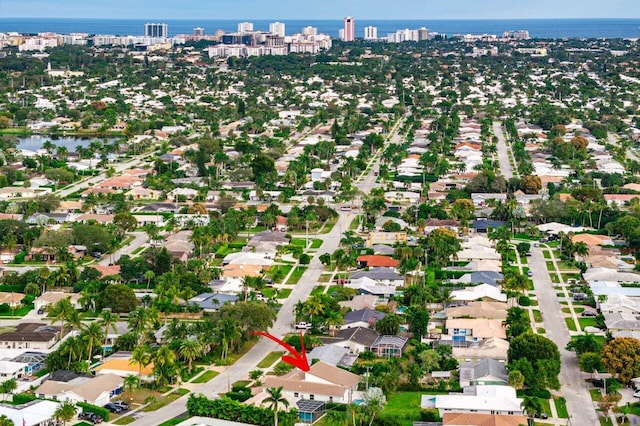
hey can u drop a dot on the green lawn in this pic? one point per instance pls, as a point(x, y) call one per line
point(271, 358)
point(319, 289)
point(205, 377)
point(541, 330)
point(278, 272)
point(124, 420)
point(299, 242)
point(546, 254)
point(537, 315)
point(564, 266)
point(595, 394)
point(561, 407)
point(571, 325)
point(17, 312)
point(284, 293)
point(550, 266)
point(296, 275)
point(324, 278)
point(173, 422)
point(241, 383)
point(545, 406)
point(404, 406)
point(316, 243)
point(587, 322)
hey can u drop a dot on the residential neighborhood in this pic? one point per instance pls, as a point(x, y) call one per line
point(443, 231)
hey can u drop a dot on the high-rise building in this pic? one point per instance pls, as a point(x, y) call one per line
point(423, 34)
point(199, 32)
point(370, 33)
point(310, 31)
point(277, 28)
point(349, 29)
point(156, 30)
point(245, 27)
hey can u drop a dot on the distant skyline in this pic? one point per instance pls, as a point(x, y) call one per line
point(317, 9)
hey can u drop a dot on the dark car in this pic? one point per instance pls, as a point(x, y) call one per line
point(91, 417)
point(114, 408)
point(589, 314)
point(541, 416)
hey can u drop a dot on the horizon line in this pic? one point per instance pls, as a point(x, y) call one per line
point(325, 19)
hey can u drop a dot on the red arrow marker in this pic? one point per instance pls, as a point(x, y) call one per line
point(297, 359)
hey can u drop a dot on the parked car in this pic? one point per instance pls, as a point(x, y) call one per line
point(116, 409)
point(528, 253)
point(122, 405)
point(90, 417)
point(303, 326)
point(580, 297)
point(530, 273)
point(541, 416)
point(589, 314)
point(636, 394)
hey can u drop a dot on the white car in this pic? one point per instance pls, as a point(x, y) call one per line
point(303, 326)
point(637, 394)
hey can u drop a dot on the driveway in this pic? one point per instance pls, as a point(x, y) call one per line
point(579, 403)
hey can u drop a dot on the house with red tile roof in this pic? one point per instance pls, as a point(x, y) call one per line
point(377, 260)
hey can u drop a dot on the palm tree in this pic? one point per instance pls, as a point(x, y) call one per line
point(149, 275)
point(60, 311)
point(92, 336)
point(531, 405)
point(7, 387)
point(580, 249)
point(275, 399)
point(228, 334)
point(109, 319)
point(584, 343)
point(141, 321)
point(334, 320)
point(65, 412)
point(189, 350)
point(130, 382)
point(142, 356)
point(164, 365)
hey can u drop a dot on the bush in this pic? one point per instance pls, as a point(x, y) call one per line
point(22, 398)
point(4, 308)
point(227, 409)
point(430, 415)
point(102, 412)
point(524, 301)
point(304, 259)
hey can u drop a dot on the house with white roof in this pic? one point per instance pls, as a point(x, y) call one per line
point(479, 292)
point(489, 399)
point(35, 413)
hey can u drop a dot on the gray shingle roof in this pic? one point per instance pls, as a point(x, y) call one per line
point(378, 274)
point(364, 315)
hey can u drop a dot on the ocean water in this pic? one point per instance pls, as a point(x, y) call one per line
point(538, 28)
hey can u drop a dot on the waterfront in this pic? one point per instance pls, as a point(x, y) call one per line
point(538, 28)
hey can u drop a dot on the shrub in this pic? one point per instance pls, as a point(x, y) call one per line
point(22, 398)
point(524, 301)
point(227, 409)
point(430, 415)
point(304, 259)
point(4, 308)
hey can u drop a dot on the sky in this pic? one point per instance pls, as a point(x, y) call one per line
point(321, 9)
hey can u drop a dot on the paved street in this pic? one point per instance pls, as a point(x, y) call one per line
point(284, 322)
point(579, 403)
point(503, 151)
point(139, 240)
